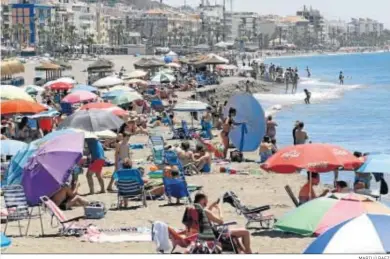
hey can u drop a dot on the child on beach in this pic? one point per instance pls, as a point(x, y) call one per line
point(308, 96)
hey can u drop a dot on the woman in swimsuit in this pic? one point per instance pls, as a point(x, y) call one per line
point(226, 126)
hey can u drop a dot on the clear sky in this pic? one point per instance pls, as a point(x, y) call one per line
point(331, 9)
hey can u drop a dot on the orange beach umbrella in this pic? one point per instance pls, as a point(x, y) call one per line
point(20, 107)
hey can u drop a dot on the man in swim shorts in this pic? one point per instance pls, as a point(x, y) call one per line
point(97, 163)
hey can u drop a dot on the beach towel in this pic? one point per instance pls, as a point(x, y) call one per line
point(93, 235)
point(161, 236)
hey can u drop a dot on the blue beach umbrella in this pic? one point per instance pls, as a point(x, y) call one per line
point(82, 87)
point(366, 234)
point(11, 147)
point(376, 163)
point(250, 117)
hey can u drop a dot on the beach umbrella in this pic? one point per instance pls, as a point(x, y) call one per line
point(10, 147)
point(34, 89)
point(105, 106)
point(60, 86)
point(137, 82)
point(249, 132)
point(84, 88)
point(122, 88)
point(18, 161)
point(191, 106)
point(168, 59)
point(365, 234)
point(10, 92)
point(45, 114)
point(378, 163)
point(137, 74)
point(79, 96)
point(126, 97)
point(67, 80)
point(318, 215)
point(163, 78)
point(173, 65)
point(49, 168)
point(108, 81)
point(92, 120)
point(112, 94)
point(314, 157)
point(20, 107)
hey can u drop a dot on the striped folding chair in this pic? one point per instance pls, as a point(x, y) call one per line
point(18, 208)
point(130, 186)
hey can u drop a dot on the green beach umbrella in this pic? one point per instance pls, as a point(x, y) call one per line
point(318, 215)
point(126, 97)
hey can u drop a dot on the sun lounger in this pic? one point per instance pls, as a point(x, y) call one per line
point(252, 215)
point(17, 207)
point(69, 227)
point(130, 186)
point(291, 195)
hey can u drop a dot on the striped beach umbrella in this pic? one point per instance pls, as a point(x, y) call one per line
point(317, 216)
point(366, 234)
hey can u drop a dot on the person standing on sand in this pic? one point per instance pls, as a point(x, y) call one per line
point(300, 134)
point(341, 78)
point(96, 166)
point(226, 126)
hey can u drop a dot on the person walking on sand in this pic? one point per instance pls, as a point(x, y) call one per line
point(300, 134)
point(96, 166)
point(308, 96)
point(341, 78)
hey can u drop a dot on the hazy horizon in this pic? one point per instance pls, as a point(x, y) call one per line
point(330, 9)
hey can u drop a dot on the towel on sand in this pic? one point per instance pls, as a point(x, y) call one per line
point(93, 235)
point(161, 237)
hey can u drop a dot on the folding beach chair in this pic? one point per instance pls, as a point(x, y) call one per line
point(178, 133)
point(157, 105)
point(251, 214)
point(171, 158)
point(176, 188)
point(130, 186)
point(188, 133)
point(18, 208)
point(157, 143)
point(291, 195)
point(69, 227)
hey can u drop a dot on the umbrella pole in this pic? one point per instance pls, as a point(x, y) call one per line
point(310, 185)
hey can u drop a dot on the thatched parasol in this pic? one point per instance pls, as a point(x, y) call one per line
point(101, 65)
point(10, 67)
point(210, 61)
point(46, 66)
point(148, 63)
point(63, 64)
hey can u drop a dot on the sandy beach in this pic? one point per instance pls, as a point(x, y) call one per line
point(256, 189)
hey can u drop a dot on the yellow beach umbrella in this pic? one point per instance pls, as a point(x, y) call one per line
point(10, 92)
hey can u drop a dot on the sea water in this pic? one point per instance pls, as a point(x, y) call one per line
point(355, 115)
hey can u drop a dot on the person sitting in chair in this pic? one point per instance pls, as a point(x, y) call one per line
point(66, 198)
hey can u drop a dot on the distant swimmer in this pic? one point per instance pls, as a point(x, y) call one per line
point(308, 96)
point(295, 79)
point(341, 78)
point(308, 72)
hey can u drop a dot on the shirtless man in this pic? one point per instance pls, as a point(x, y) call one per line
point(226, 126)
point(66, 198)
point(300, 134)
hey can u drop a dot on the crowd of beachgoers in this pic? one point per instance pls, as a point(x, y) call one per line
point(146, 156)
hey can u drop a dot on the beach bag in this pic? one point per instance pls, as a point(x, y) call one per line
point(236, 156)
point(384, 189)
point(95, 210)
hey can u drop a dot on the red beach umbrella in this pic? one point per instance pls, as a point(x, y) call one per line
point(312, 157)
point(60, 86)
point(105, 106)
point(79, 96)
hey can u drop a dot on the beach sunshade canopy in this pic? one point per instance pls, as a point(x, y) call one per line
point(79, 96)
point(113, 94)
point(211, 61)
point(10, 147)
point(365, 234)
point(191, 106)
point(122, 88)
point(67, 80)
point(137, 74)
point(47, 66)
point(378, 163)
point(60, 86)
point(314, 157)
point(250, 116)
point(148, 63)
point(108, 81)
point(126, 97)
point(20, 107)
point(81, 87)
point(11, 67)
point(137, 82)
point(318, 215)
point(101, 64)
point(163, 78)
point(92, 120)
point(49, 168)
point(10, 92)
point(105, 106)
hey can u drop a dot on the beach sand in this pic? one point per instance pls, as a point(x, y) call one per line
point(256, 189)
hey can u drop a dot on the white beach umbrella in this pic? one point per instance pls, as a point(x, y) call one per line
point(108, 81)
point(67, 80)
point(191, 106)
point(10, 92)
point(137, 82)
point(174, 65)
point(162, 78)
point(137, 74)
point(122, 87)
